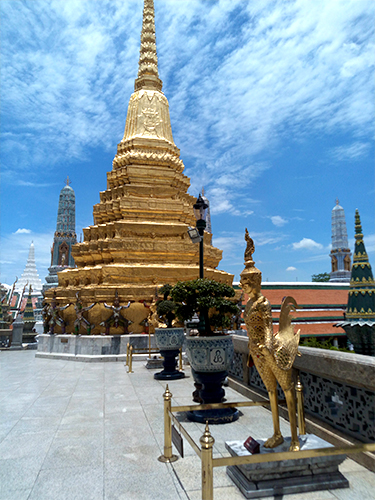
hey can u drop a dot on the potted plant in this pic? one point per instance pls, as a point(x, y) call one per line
point(210, 352)
point(169, 339)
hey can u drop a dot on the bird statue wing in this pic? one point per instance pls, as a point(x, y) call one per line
point(285, 342)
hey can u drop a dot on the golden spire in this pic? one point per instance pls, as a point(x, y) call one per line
point(148, 75)
point(148, 111)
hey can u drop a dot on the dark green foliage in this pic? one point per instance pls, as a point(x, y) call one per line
point(322, 277)
point(326, 344)
point(166, 308)
point(209, 299)
point(165, 290)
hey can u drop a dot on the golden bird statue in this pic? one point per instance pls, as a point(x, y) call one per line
point(273, 355)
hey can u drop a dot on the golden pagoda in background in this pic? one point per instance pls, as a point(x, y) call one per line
point(139, 240)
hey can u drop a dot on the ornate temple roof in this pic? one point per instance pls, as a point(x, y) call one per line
point(64, 238)
point(28, 313)
point(361, 301)
point(339, 232)
point(320, 305)
point(66, 214)
point(208, 217)
point(340, 253)
point(30, 275)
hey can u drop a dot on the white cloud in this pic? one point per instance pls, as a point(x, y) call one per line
point(351, 152)
point(267, 238)
point(259, 72)
point(369, 241)
point(23, 231)
point(225, 200)
point(307, 244)
point(316, 258)
point(291, 268)
point(279, 221)
point(227, 243)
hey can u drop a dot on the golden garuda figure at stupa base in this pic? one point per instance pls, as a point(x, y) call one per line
point(273, 355)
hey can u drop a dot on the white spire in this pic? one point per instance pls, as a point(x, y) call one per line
point(208, 217)
point(30, 275)
point(339, 233)
point(340, 253)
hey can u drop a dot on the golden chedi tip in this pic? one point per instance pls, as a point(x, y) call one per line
point(148, 125)
point(148, 74)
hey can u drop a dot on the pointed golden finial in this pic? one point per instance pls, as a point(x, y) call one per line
point(167, 395)
point(206, 440)
point(148, 74)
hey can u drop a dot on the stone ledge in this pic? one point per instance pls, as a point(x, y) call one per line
point(353, 369)
point(80, 357)
point(91, 347)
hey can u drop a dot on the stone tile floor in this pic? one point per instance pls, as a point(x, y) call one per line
point(91, 431)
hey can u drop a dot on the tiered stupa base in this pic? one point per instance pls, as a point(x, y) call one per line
point(141, 292)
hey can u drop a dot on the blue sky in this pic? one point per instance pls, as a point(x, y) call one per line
point(271, 104)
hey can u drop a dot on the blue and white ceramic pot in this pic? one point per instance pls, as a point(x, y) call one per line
point(210, 354)
point(169, 339)
point(210, 359)
point(169, 342)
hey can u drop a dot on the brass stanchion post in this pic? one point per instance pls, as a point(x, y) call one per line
point(207, 442)
point(127, 354)
point(300, 408)
point(130, 360)
point(180, 360)
point(168, 456)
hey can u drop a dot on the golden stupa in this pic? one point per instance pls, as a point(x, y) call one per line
point(139, 239)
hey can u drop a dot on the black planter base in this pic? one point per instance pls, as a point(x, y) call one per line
point(209, 390)
point(221, 416)
point(163, 375)
point(170, 372)
point(210, 386)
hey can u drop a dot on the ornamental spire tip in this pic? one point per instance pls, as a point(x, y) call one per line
point(148, 74)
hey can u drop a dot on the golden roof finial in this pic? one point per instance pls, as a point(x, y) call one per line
point(148, 74)
point(250, 273)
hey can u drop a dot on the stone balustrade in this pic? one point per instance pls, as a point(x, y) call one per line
point(5, 337)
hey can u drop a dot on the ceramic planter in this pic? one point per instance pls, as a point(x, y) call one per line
point(169, 341)
point(210, 354)
point(210, 359)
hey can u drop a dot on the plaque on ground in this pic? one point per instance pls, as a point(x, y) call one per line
point(287, 476)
